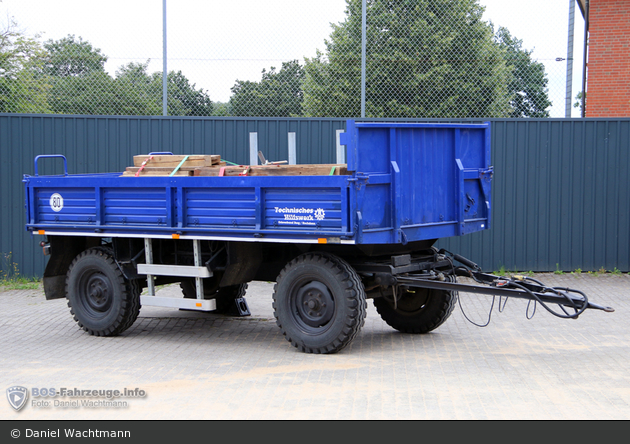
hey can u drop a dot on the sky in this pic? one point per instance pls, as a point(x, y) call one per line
point(215, 43)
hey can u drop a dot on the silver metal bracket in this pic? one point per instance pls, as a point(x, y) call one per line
point(198, 271)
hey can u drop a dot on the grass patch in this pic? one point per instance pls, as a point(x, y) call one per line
point(20, 283)
point(10, 278)
point(501, 272)
point(506, 273)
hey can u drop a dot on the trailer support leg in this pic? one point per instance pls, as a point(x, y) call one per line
point(148, 252)
point(198, 280)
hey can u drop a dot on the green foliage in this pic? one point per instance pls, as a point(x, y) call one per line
point(278, 94)
point(221, 109)
point(67, 76)
point(71, 57)
point(528, 87)
point(577, 272)
point(133, 91)
point(145, 91)
point(578, 101)
point(424, 58)
point(184, 99)
point(22, 88)
point(80, 84)
point(20, 283)
point(98, 93)
point(10, 278)
point(501, 272)
point(558, 271)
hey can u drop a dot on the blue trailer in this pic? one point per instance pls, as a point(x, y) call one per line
point(330, 242)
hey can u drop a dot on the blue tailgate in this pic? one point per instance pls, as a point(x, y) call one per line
point(419, 181)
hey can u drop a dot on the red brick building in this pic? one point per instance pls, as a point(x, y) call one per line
point(608, 63)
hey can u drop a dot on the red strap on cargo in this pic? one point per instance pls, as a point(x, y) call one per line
point(143, 165)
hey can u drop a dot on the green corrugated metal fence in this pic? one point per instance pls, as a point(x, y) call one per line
point(561, 196)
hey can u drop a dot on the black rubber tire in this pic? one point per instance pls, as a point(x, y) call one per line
point(319, 303)
point(101, 300)
point(224, 296)
point(419, 312)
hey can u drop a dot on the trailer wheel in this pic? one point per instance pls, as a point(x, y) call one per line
point(319, 303)
point(101, 300)
point(224, 296)
point(417, 311)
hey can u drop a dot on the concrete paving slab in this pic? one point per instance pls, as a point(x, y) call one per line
point(206, 366)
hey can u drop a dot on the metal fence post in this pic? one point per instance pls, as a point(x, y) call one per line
point(253, 148)
point(292, 149)
point(341, 149)
point(569, 93)
point(363, 51)
point(164, 69)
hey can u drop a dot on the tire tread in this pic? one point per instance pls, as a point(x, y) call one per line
point(130, 291)
point(354, 299)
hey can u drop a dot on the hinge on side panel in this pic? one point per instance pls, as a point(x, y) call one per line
point(486, 174)
point(359, 180)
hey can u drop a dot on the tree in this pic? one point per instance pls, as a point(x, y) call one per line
point(98, 93)
point(22, 90)
point(85, 89)
point(144, 88)
point(67, 76)
point(184, 99)
point(221, 109)
point(527, 88)
point(424, 58)
point(71, 57)
point(80, 85)
point(278, 94)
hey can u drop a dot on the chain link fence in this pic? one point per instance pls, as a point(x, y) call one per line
point(401, 59)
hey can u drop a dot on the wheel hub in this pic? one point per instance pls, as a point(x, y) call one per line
point(314, 304)
point(99, 293)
